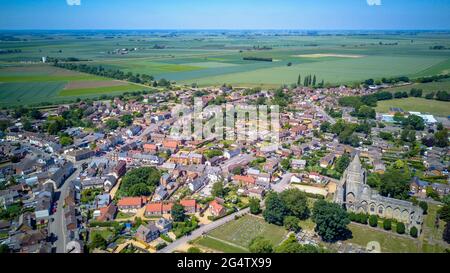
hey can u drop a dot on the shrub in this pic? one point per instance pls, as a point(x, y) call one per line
point(413, 232)
point(424, 206)
point(160, 246)
point(373, 221)
point(400, 228)
point(387, 224)
point(194, 250)
point(363, 218)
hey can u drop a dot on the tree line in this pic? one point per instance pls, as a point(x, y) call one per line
point(115, 74)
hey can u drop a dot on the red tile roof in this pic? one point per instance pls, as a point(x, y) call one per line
point(170, 144)
point(216, 206)
point(153, 207)
point(188, 203)
point(167, 206)
point(245, 179)
point(131, 201)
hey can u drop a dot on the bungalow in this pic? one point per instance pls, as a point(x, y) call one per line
point(130, 204)
point(216, 209)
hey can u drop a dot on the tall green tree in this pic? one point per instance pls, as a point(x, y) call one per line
point(260, 245)
point(296, 203)
point(255, 207)
point(177, 213)
point(331, 221)
point(218, 189)
point(275, 209)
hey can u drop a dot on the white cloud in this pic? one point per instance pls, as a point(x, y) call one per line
point(73, 2)
point(374, 2)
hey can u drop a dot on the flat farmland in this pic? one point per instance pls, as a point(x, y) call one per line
point(345, 70)
point(36, 84)
point(427, 88)
point(99, 90)
point(29, 92)
point(434, 107)
point(217, 57)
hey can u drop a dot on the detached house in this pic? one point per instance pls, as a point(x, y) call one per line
point(147, 233)
point(217, 210)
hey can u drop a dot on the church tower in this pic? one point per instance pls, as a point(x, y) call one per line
point(351, 186)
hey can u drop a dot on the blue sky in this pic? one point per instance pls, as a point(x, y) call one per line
point(229, 14)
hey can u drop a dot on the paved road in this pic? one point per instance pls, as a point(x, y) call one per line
point(325, 114)
point(283, 184)
point(57, 227)
point(200, 231)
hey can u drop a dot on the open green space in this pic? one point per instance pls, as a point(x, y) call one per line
point(218, 57)
point(101, 90)
point(217, 245)
point(430, 241)
point(35, 84)
point(434, 107)
point(427, 88)
point(243, 230)
point(389, 241)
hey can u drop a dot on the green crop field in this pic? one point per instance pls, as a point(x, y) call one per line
point(35, 84)
point(443, 85)
point(28, 92)
point(100, 90)
point(217, 57)
point(243, 230)
point(434, 107)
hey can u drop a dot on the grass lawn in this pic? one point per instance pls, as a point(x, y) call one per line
point(390, 242)
point(104, 232)
point(432, 234)
point(243, 230)
point(122, 215)
point(214, 244)
point(434, 107)
point(307, 224)
point(430, 240)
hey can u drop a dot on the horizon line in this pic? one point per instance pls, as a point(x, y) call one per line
point(225, 29)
